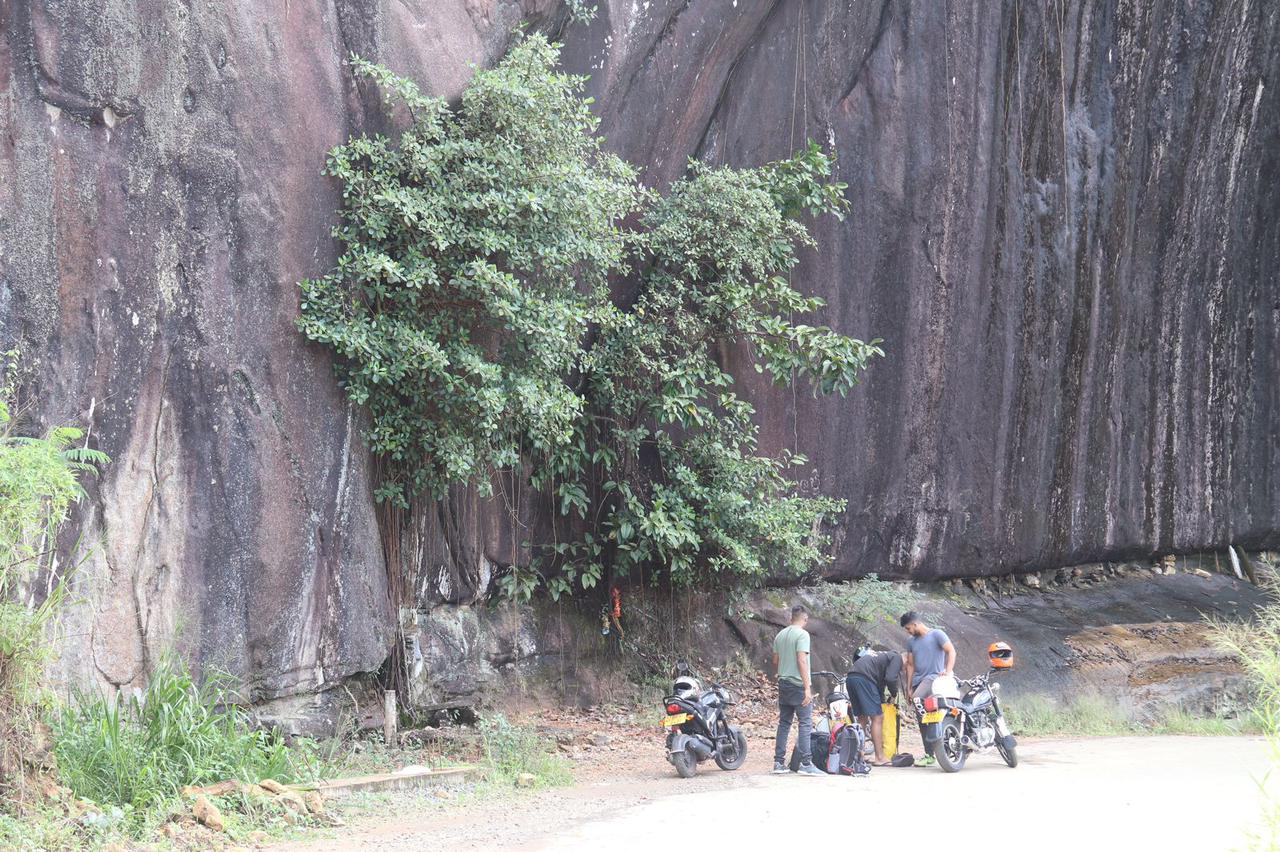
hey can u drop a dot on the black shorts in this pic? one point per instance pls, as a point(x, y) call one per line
point(864, 696)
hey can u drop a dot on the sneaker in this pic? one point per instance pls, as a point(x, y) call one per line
point(927, 760)
point(810, 769)
point(780, 768)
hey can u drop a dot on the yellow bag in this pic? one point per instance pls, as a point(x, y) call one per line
point(891, 729)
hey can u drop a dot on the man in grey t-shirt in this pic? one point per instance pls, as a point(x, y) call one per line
point(929, 655)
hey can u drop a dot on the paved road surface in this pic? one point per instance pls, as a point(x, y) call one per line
point(1132, 794)
point(1135, 794)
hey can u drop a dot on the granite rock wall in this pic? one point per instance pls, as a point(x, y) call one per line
point(1064, 226)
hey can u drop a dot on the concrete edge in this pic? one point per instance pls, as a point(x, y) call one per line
point(338, 787)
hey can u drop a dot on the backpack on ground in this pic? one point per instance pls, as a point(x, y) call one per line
point(849, 743)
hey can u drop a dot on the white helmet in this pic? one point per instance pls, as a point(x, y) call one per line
point(686, 687)
point(946, 686)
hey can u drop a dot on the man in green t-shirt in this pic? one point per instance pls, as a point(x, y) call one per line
point(795, 696)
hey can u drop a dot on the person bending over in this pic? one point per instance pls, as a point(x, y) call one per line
point(874, 674)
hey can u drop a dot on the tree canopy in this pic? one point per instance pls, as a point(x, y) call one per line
point(510, 297)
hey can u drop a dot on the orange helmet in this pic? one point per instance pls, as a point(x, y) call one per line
point(1001, 655)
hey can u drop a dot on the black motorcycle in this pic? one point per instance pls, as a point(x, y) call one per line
point(954, 723)
point(698, 726)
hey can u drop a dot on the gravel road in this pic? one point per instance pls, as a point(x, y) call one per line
point(1168, 793)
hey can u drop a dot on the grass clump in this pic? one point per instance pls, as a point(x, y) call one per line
point(1257, 647)
point(1094, 715)
point(36, 828)
point(1180, 721)
point(512, 751)
point(866, 600)
point(1086, 715)
point(137, 753)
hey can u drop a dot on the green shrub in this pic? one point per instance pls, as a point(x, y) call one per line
point(866, 600)
point(511, 299)
point(39, 480)
point(512, 750)
point(137, 752)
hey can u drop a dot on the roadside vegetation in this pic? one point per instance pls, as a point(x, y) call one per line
point(97, 769)
point(1257, 646)
point(864, 601)
point(39, 481)
point(122, 770)
point(136, 753)
point(518, 755)
point(1094, 715)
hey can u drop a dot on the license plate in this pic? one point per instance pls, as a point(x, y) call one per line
point(677, 719)
point(930, 718)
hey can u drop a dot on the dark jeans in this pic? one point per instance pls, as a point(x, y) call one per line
point(790, 703)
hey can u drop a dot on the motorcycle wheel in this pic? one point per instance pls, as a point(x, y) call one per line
point(686, 763)
point(950, 750)
point(1009, 753)
point(733, 753)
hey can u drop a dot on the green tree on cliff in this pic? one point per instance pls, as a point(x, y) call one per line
point(510, 298)
point(39, 480)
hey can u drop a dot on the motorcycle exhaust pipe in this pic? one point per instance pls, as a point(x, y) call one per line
point(700, 746)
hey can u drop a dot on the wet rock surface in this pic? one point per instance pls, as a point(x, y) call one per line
point(1064, 226)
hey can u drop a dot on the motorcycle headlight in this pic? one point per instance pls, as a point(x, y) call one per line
point(995, 687)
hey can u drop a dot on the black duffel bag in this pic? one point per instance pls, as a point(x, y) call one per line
point(819, 745)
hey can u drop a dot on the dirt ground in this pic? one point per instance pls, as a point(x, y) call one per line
point(1170, 793)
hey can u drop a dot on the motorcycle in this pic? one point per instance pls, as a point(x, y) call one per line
point(956, 723)
point(837, 712)
point(698, 727)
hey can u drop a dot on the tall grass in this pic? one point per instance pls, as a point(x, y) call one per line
point(1257, 647)
point(139, 751)
point(1085, 715)
point(1093, 715)
point(511, 751)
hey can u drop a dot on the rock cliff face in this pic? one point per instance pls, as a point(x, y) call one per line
point(1081, 356)
point(1064, 227)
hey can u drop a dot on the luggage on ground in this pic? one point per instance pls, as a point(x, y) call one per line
point(819, 746)
point(892, 728)
point(848, 743)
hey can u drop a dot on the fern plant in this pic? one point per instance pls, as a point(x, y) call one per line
point(39, 480)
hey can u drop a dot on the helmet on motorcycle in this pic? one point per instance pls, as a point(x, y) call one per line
point(1001, 655)
point(946, 686)
point(686, 687)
